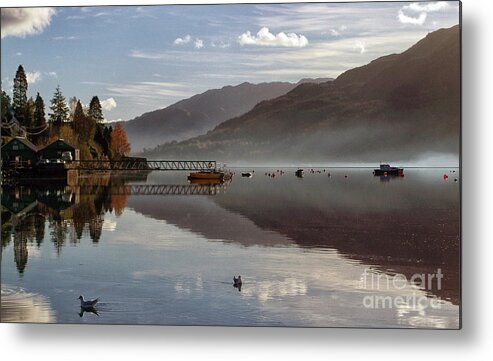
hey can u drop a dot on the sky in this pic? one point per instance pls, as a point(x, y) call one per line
point(141, 58)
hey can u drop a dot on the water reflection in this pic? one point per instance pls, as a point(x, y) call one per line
point(403, 225)
point(17, 305)
point(69, 213)
point(74, 212)
point(301, 245)
point(92, 310)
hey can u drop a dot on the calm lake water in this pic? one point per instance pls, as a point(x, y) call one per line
point(351, 250)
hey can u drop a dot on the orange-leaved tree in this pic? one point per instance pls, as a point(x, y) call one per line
point(119, 144)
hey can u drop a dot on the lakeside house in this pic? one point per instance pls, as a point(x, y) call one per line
point(20, 152)
point(55, 150)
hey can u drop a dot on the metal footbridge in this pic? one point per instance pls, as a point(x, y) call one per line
point(143, 164)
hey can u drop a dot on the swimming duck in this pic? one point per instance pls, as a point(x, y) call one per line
point(237, 281)
point(88, 303)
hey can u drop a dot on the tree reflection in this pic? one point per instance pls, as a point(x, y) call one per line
point(65, 213)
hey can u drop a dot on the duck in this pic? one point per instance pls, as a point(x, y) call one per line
point(237, 281)
point(87, 304)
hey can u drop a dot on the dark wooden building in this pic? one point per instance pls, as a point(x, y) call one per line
point(55, 150)
point(19, 152)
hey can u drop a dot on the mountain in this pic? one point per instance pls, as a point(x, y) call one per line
point(200, 113)
point(398, 107)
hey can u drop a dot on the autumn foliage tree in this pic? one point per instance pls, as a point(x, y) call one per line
point(119, 144)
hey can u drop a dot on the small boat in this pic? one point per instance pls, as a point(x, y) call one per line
point(386, 169)
point(247, 174)
point(213, 174)
point(300, 173)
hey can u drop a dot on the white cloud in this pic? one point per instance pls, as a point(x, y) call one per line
point(146, 90)
point(422, 8)
point(360, 47)
point(265, 38)
point(52, 74)
point(18, 53)
point(220, 44)
point(64, 38)
point(185, 40)
point(427, 7)
point(199, 44)
point(108, 104)
point(404, 19)
point(33, 77)
point(21, 22)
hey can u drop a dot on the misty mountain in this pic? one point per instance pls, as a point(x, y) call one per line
point(397, 107)
point(200, 113)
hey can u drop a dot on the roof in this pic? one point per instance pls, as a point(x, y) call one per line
point(24, 141)
point(57, 142)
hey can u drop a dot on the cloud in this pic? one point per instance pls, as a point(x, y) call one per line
point(199, 44)
point(404, 19)
point(21, 22)
point(360, 47)
point(428, 7)
point(265, 38)
point(33, 77)
point(422, 8)
point(145, 90)
point(220, 44)
point(57, 38)
point(52, 74)
point(338, 31)
point(185, 40)
point(108, 104)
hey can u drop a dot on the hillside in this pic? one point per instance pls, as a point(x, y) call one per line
point(200, 113)
point(398, 107)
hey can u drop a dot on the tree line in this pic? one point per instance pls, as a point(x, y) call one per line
point(82, 127)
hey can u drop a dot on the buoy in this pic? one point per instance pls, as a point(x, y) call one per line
point(384, 174)
point(445, 177)
point(328, 175)
point(345, 176)
point(455, 179)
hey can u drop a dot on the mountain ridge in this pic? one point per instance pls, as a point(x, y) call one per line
point(404, 105)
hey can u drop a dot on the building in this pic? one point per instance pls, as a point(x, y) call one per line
point(56, 149)
point(19, 152)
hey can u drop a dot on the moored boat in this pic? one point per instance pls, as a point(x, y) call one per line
point(386, 169)
point(300, 173)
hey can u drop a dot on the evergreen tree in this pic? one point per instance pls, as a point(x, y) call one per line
point(59, 108)
point(29, 113)
point(39, 120)
point(19, 99)
point(39, 112)
point(84, 126)
point(5, 102)
point(6, 115)
point(95, 110)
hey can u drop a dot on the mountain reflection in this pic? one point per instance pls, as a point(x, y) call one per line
point(405, 225)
